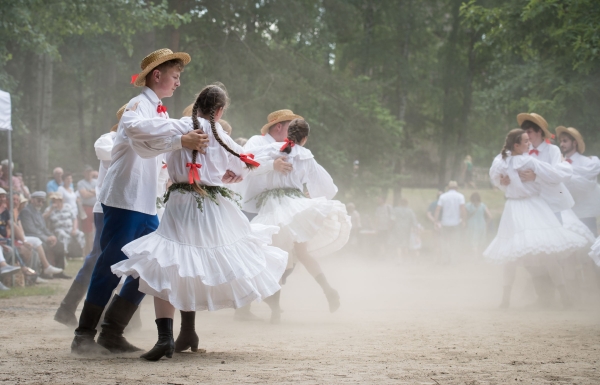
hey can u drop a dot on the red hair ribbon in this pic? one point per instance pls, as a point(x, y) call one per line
point(534, 151)
point(249, 159)
point(193, 175)
point(160, 109)
point(164, 165)
point(570, 161)
point(287, 143)
point(134, 78)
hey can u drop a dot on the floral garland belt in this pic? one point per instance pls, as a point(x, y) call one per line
point(210, 192)
point(279, 193)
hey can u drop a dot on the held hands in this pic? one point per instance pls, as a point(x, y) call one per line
point(231, 177)
point(195, 140)
point(281, 165)
point(527, 175)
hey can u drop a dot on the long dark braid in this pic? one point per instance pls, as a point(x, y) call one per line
point(297, 131)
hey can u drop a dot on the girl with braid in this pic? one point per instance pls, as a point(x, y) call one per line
point(205, 254)
point(310, 227)
point(529, 232)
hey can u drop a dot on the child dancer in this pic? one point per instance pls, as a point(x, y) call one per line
point(204, 255)
point(310, 227)
point(529, 231)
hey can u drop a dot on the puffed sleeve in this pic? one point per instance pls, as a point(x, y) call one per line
point(553, 173)
point(318, 181)
point(103, 146)
point(497, 170)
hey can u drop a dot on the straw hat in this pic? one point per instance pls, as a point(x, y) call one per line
point(55, 195)
point(452, 184)
point(575, 134)
point(278, 117)
point(155, 59)
point(119, 115)
point(537, 119)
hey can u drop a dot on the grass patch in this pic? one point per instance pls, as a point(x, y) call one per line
point(28, 291)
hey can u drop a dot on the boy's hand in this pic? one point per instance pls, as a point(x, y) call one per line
point(195, 140)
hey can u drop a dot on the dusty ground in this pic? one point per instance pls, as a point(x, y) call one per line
point(400, 324)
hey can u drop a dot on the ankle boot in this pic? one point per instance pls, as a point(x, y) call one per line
point(66, 311)
point(83, 343)
point(330, 293)
point(165, 344)
point(506, 297)
point(187, 339)
point(117, 317)
point(273, 302)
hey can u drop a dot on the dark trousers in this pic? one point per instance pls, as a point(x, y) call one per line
point(120, 227)
point(85, 273)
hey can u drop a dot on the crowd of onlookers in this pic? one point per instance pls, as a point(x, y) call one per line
point(49, 227)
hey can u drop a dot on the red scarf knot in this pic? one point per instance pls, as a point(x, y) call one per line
point(134, 78)
point(160, 109)
point(193, 175)
point(249, 159)
point(287, 143)
point(534, 151)
point(569, 161)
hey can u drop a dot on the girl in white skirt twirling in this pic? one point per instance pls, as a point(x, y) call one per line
point(529, 232)
point(205, 255)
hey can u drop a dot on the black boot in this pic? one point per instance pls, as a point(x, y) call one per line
point(330, 293)
point(66, 311)
point(187, 339)
point(83, 343)
point(117, 317)
point(273, 302)
point(165, 344)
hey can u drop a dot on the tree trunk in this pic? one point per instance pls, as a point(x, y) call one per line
point(81, 120)
point(43, 119)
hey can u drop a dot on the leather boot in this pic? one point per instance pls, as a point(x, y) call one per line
point(83, 343)
point(66, 311)
point(273, 302)
point(187, 339)
point(165, 344)
point(330, 293)
point(116, 318)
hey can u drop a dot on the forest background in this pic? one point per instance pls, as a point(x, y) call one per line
point(406, 87)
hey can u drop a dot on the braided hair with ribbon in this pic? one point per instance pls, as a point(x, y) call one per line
point(297, 131)
point(514, 137)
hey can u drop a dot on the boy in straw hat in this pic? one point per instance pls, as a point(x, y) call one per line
point(128, 198)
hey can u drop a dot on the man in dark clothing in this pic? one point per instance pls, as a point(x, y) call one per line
point(35, 226)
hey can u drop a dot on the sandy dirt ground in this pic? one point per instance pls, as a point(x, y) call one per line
point(398, 324)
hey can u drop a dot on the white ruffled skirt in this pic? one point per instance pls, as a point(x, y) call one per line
point(323, 224)
point(529, 228)
point(205, 260)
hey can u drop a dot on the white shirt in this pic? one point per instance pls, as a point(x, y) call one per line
point(258, 141)
point(142, 135)
point(450, 201)
point(555, 193)
point(583, 185)
point(103, 147)
point(69, 198)
point(305, 170)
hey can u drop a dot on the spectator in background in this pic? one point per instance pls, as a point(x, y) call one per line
point(405, 221)
point(24, 189)
point(34, 225)
point(436, 230)
point(63, 224)
point(450, 217)
point(478, 217)
point(6, 173)
point(468, 172)
point(87, 190)
point(5, 270)
point(68, 194)
point(384, 219)
point(356, 224)
point(56, 182)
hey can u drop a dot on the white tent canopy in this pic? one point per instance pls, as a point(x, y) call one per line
point(5, 125)
point(5, 110)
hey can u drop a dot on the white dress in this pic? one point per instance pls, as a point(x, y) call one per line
point(528, 227)
point(205, 259)
point(319, 221)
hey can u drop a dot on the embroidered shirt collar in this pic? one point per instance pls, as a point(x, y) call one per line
point(151, 95)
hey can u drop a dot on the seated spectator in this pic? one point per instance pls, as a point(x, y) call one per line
point(34, 225)
point(29, 244)
point(87, 190)
point(24, 189)
point(6, 173)
point(68, 194)
point(63, 223)
point(56, 182)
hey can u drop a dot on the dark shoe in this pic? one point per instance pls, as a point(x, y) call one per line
point(9, 270)
point(61, 275)
point(83, 343)
point(165, 344)
point(66, 312)
point(116, 318)
point(187, 339)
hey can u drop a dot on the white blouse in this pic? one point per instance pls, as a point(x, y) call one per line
point(103, 147)
point(583, 185)
point(69, 198)
point(305, 170)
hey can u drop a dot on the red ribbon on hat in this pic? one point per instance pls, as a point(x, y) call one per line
point(570, 161)
point(287, 143)
point(548, 140)
point(534, 151)
point(193, 175)
point(249, 159)
point(134, 78)
point(160, 109)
